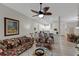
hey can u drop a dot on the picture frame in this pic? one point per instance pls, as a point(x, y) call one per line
point(11, 26)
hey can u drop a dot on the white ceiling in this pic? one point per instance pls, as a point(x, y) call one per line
point(67, 12)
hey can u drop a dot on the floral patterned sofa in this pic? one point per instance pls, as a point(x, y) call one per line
point(15, 46)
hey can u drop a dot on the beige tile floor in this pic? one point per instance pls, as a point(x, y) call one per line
point(61, 48)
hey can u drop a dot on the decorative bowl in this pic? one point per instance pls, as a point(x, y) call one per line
point(39, 52)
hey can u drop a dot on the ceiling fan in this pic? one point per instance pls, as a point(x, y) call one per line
point(42, 12)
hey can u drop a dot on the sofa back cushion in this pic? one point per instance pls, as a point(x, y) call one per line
point(8, 43)
point(14, 42)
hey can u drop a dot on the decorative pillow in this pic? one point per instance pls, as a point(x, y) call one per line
point(15, 43)
point(19, 42)
point(1, 50)
point(2, 46)
point(1, 41)
point(9, 43)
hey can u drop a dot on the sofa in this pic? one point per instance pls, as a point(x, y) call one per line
point(15, 46)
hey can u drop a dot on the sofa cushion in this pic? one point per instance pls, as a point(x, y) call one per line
point(1, 50)
point(2, 46)
point(9, 43)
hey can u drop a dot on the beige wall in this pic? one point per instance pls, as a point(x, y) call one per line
point(26, 24)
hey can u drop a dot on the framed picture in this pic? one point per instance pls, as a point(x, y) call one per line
point(11, 26)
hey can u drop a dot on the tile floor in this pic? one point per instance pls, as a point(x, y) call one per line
point(61, 47)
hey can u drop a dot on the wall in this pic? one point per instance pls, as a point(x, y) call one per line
point(26, 24)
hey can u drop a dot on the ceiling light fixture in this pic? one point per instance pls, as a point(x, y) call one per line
point(41, 16)
point(42, 12)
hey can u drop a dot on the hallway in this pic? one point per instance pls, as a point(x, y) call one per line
point(61, 48)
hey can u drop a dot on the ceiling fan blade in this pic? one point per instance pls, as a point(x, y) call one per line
point(45, 9)
point(47, 13)
point(34, 15)
point(34, 11)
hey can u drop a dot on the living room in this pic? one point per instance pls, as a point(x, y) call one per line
point(24, 33)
